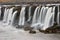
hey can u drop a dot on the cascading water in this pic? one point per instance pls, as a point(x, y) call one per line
point(29, 14)
point(58, 17)
point(10, 15)
point(35, 17)
point(52, 18)
point(41, 19)
point(13, 17)
point(5, 15)
point(42, 15)
point(48, 18)
point(22, 16)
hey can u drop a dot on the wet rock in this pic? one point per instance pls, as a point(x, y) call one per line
point(54, 29)
point(32, 31)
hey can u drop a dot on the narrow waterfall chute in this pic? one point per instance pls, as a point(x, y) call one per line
point(10, 15)
point(40, 14)
point(22, 16)
point(13, 17)
point(29, 14)
point(43, 14)
point(5, 15)
point(35, 17)
point(52, 18)
point(58, 16)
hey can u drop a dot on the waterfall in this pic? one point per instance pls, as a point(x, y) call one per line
point(35, 17)
point(58, 16)
point(10, 15)
point(42, 16)
point(29, 14)
point(48, 18)
point(13, 17)
point(5, 15)
point(52, 18)
point(22, 16)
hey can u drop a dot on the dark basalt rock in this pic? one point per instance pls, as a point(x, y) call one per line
point(32, 31)
point(53, 29)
